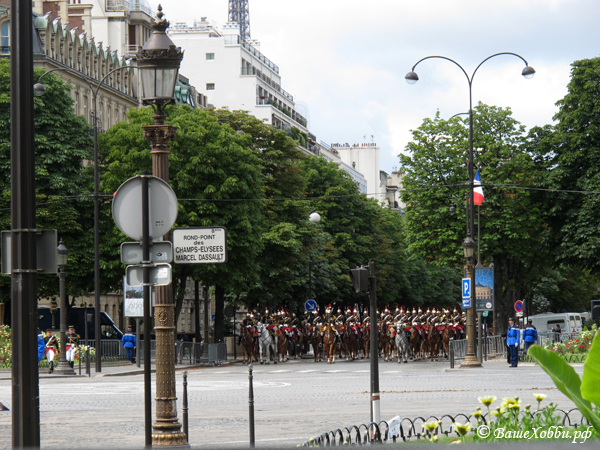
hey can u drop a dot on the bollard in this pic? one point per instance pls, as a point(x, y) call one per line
point(87, 361)
point(185, 407)
point(79, 360)
point(251, 406)
point(451, 352)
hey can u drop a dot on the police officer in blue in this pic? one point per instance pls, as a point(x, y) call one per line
point(512, 340)
point(529, 334)
point(128, 342)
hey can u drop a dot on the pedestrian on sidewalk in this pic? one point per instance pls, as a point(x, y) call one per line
point(530, 335)
point(129, 342)
point(512, 340)
point(72, 340)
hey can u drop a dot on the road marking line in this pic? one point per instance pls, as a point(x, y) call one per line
point(306, 371)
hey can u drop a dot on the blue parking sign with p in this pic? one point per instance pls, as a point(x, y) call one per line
point(466, 288)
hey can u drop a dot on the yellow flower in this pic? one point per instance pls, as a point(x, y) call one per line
point(431, 425)
point(462, 428)
point(539, 397)
point(507, 401)
point(477, 413)
point(488, 400)
point(498, 412)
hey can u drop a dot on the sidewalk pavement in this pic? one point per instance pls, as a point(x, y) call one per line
point(114, 370)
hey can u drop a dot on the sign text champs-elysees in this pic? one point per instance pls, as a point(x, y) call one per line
point(204, 245)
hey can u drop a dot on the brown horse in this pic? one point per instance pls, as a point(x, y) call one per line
point(329, 339)
point(448, 333)
point(315, 341)
point(415, 342)
point(282, 345)
point(247, 341)
point(390, 341)
point(350, 342)
point(434, 340)
point(366, 340)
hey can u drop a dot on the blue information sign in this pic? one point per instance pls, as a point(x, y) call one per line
point(466, 303)
point(466, 288)
point(310, 305)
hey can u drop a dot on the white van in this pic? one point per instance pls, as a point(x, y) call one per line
point(568, 322)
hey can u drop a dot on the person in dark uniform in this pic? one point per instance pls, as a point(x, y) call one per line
point(129, 342)
point(512, 340)
point(529, 335)
point(51, 344)
point(72, 340)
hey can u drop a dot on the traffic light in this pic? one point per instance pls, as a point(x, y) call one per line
point(360, 279)
point(595, 309)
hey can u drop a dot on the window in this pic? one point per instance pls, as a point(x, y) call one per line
point(210, 86)
point(5, 38)
point(210, 56)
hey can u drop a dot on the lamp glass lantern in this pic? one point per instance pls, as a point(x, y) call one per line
point(62, 254)
point(158, 61)
point(469, 247)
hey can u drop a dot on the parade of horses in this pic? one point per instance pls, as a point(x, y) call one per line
point(403, 334)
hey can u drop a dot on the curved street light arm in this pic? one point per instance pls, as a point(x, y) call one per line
point(493, 56)
point(447, 59)
point(73, 71)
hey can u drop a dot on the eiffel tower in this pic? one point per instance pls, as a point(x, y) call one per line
point(240, 13)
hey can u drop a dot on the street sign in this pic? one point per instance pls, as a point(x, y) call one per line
point(310, 305)
point(466, 288)
point(46, 242)
point(519, 306)
point(202, 245)
point(127, 207)
point(466, 303)
point(160, 252)
point(160, 275)
point(485, 313)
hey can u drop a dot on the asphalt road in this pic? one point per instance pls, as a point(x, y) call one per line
point(293, 401)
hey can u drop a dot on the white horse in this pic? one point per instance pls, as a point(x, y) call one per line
point(402, 343)
point(266, 344)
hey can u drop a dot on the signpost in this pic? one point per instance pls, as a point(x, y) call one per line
point(519, 306)
point(203, 245)
point(466, 293)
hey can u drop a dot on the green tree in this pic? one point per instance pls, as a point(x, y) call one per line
point(216, 177)
point(62, 145)
point(512, 218)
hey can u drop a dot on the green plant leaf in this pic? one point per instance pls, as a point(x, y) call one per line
point(566, 380)
point(591, 374)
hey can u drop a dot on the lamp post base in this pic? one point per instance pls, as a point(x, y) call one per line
point(470, 361)
point(63, 368)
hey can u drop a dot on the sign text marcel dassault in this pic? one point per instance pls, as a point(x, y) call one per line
point(204, 245)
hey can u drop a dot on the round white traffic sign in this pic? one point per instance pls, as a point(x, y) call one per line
point(162, 207)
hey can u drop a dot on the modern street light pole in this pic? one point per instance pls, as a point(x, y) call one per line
point(469, 244)
point(159, 61)
point(63, 367)
point(38, 90)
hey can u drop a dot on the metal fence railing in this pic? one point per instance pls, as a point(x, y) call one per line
point(492, 346)
point(398, 429)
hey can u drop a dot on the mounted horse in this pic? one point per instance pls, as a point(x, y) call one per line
point(390, 342)
point(315, 340)
point(266, 344)
point(434, 340)
point(329, 341)
point(282, 344)
point(247, 336)
point(402, 341)
point(415, 341)
point(350, 338)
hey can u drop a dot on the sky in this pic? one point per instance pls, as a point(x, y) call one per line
point(344, 61)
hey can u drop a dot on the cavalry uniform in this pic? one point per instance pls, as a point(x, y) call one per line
point(72, 340)
point(51, 348)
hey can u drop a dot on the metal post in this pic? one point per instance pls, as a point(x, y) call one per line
point(97, 323)
point(138, 357)
point(251, 406)
point(166, 429)
point(185, 407)
point(374, 350)
point(147, 306)
point(206, 315)
point(87, 349)
point(63, 367)
point(25, 375)
point(479, 336)
point(234, 335)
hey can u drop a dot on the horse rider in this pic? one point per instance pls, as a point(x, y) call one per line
point(249, 323)
point(51, 344)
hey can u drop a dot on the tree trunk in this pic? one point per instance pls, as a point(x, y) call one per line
point(219, 315)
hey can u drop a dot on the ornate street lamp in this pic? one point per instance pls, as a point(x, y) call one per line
point(158, 61)
point(62, 255)
point(411, 78)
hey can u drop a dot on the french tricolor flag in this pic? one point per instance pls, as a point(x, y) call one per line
point(477, 190)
